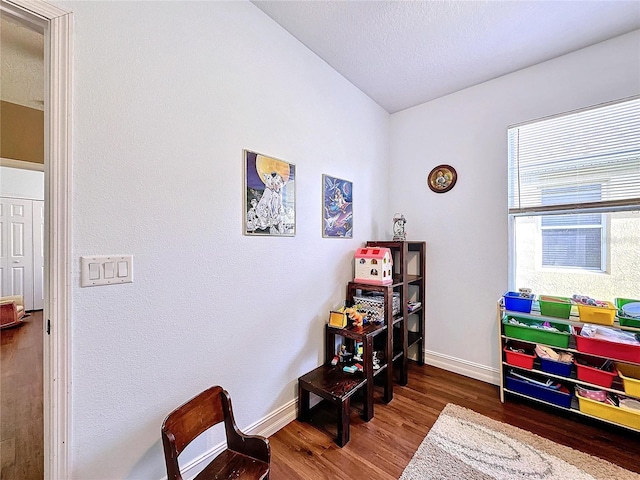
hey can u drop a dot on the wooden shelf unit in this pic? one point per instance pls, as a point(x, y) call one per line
point(336, 386)
point(409, 272)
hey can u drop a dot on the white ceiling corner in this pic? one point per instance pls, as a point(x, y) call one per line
point(404, 53)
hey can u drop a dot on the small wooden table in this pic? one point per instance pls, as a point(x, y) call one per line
point(332, 384)
point(336, 386)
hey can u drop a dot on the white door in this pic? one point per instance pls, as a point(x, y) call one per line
point(16, 249)
point(38, 254)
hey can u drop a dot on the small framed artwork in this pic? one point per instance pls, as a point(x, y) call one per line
point(442, 178)
point(270, 196)
point(337, 211)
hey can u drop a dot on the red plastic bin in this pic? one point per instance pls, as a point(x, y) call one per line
point(518, 359)
point(595, 376)
point(616, 351)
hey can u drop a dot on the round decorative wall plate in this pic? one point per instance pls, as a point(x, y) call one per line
point(442, 178)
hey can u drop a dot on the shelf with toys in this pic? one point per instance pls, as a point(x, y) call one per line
point(374, 333)
point(409, 277)
point(583, 360)
point(380, 311)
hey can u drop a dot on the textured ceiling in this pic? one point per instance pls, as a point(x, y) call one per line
point(21, 64)
point(404, 53)
point(399, 53)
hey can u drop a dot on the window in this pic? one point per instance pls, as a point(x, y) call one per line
point(574, 202)
point(572, 241)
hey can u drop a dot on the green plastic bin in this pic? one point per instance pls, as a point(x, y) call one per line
point(537, 335)
point(626, 321)
point(559, 307)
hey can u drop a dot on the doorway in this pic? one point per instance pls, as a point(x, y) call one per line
point(55, 24)
point(21, 247)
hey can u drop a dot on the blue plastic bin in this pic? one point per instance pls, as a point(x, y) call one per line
point(557, 368)
point(515, 303)
point(550, 395)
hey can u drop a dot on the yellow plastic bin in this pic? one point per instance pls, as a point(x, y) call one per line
point(604, 315)
point(622, 416)
point(630, 375)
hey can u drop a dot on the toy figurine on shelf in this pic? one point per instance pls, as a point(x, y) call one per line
point(376, 361)
point(344, 355)
point(359, 351)
point(399, 232)
point(356, 317)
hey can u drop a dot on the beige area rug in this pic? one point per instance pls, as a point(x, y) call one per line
point(463, 444)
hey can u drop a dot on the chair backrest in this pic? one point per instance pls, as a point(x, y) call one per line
point(246, 455)
point(193, 418)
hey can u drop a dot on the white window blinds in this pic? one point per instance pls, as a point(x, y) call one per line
point(572, 153)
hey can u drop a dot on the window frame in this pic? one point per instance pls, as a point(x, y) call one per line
point(601, 207)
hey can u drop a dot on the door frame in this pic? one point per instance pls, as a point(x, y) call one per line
point(56, 25)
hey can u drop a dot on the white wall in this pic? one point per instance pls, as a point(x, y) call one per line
point(466, 228)
point(166, 96)
point(15, 182)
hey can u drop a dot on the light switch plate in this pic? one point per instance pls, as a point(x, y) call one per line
point(118, 269)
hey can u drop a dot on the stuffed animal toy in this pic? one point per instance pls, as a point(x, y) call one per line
point(356, 317)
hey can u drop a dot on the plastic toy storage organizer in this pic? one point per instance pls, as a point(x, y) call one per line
point(554, 382)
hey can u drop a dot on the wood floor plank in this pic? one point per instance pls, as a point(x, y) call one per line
point(381, 448)
point(7, 453)
point(21, 401)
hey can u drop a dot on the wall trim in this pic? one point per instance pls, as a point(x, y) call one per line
point(463, 367)
point(266, 427)
point(58, 245)
point(56, 25)
point(21, 164)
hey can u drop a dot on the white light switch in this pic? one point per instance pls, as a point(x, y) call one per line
point(123, 269)
point(106, 270)
point(94, 271)
point(109, 269)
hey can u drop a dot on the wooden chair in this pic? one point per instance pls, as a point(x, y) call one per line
point(246, 456)
point(11, 311)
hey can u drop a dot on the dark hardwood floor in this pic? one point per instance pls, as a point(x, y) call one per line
point(378, 450)
point(381, 448)
point(21, 397)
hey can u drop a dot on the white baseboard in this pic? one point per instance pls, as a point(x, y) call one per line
point(463, 367)
point(275, 420)
point(266, 427)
